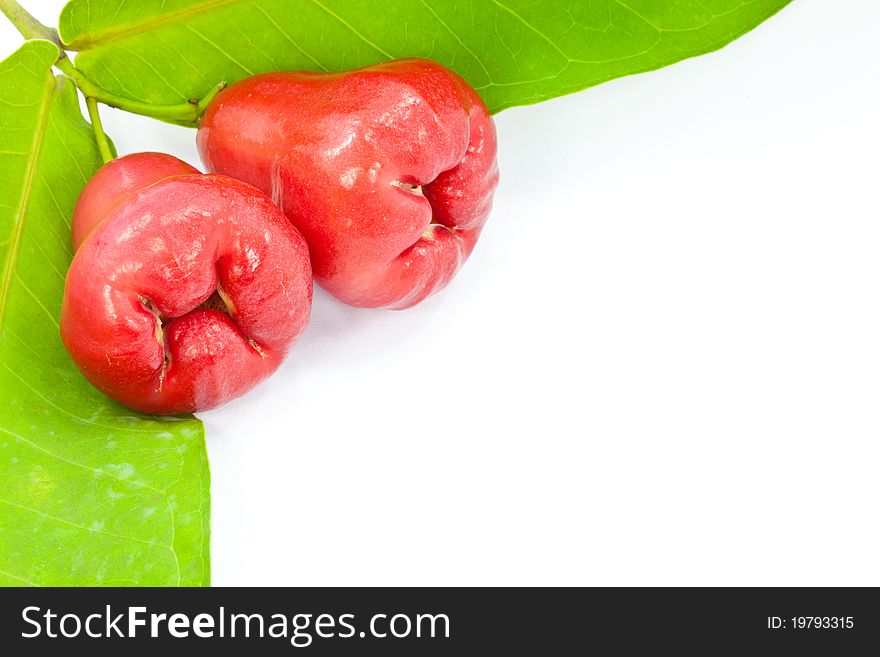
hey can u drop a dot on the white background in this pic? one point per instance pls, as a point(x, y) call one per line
point(660, 366)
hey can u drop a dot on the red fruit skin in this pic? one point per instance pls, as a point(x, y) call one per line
point(134, 316)
point(336, 152)
point(116, 182)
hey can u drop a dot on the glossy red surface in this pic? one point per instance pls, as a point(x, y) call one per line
point(388, 171)
point(186, 290)
point(116, 182)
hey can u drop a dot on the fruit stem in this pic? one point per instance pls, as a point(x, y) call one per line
point(189, 112)
point(30, 28)
point(100, 137)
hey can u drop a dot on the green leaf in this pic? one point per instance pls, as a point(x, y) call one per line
point(514, 52)
point(90, 493)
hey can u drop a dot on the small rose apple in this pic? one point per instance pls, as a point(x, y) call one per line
point(185, 289)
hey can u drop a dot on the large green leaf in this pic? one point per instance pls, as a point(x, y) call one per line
point(90, 493)
point(514, 52)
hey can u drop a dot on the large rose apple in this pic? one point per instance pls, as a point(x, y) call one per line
point(388, 171)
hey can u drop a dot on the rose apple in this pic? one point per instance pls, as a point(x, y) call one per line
point(388, 171)
point(185, 290)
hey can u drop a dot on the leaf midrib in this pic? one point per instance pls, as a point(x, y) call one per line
point(27, 186)
point(110, 35)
